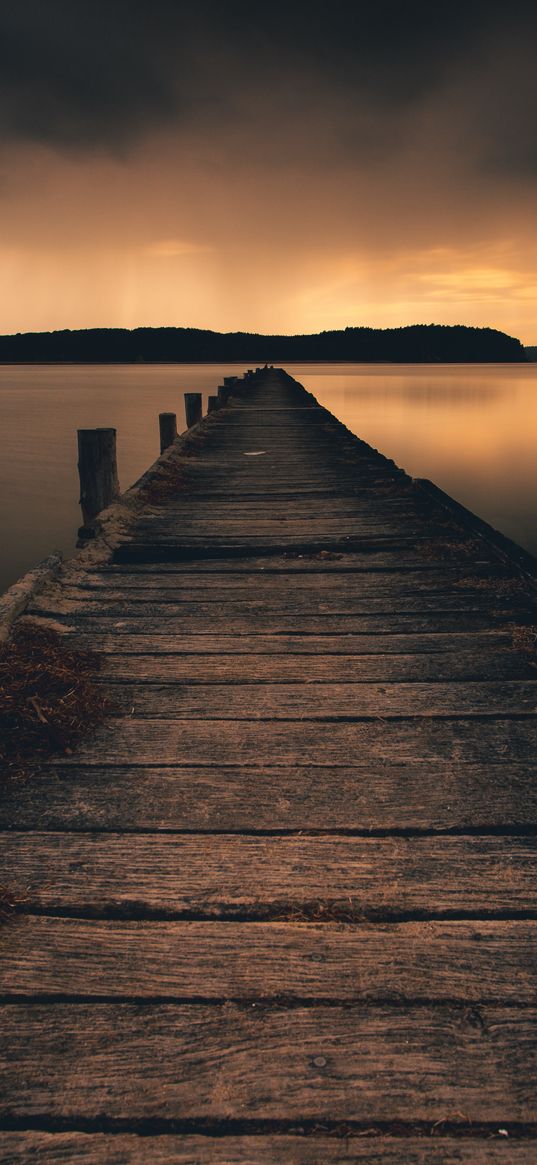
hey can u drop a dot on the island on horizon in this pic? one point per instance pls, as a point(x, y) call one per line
point(415, 344)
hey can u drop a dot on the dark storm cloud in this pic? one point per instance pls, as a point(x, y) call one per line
point(83, 72)
point(87, 74)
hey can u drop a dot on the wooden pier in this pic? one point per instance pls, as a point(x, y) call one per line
point(281, 909)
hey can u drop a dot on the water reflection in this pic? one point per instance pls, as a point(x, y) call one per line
point(471, 428)
point(430, 393)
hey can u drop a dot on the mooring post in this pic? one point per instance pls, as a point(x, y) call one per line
point(212, 404)
point(97, 469)
point(193, 408)
point(168, 429)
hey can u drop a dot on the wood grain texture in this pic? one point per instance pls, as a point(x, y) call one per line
point(168, 550)
point(261, 530)
point(372, 795)
point(302, 701)
point(239, 582)
point(241, 511)
point(158, 620)
point(136, 638)
point(156, 603)
point(227, 874)
point(243, 742)
point(275, 532)
point(99, 1149)
point(361, 1063)
point(466, 961)
point(434, 667)
point(275, 588)
point(352, 562)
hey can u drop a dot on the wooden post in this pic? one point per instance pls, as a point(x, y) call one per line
point(168, 429)
point(97, 469)
point(212, 404)
point(223, 394)
point(193, 408)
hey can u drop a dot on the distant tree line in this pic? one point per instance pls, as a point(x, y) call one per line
point(531, 352)
point(421, 343)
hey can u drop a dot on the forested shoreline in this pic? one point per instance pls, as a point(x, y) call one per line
point(420, 343)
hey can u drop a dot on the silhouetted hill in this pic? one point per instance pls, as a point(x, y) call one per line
point(420, 343)
point(531, 352)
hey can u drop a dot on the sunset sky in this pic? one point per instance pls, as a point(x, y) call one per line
point(268, 167)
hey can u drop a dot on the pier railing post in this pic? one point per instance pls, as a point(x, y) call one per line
point(193, 408)
point(97, 469)
point(168, 429)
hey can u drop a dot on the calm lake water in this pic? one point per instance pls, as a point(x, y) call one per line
point(470, 428)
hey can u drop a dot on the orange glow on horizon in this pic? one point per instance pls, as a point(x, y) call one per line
point(159, 241)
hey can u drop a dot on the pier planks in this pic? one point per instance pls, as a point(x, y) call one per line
point(282, 906)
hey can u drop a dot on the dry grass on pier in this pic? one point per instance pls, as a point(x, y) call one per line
point(48, 701)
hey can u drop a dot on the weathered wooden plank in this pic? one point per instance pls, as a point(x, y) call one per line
point(158, 620)
point(230, 478)
point(434, 667)
point(239, 874)
point(281, 607)
point(125, 1149)
point(375, 795)
point(390, 561)
point(288, 436)
point(300, 744)
point(321, 701)
point(230, 464)
point(115, 640)
point(240, 583)
point(284, 434)
point(243, 518)
point(234, 586)
point(289, 467)
point(369, 501)
point(180, 526)
point(280, 533)
point(359, 516)
point(361, 1063)
point(366, 472)
point(466, 961)
point(281, 475)
point(176, 548)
